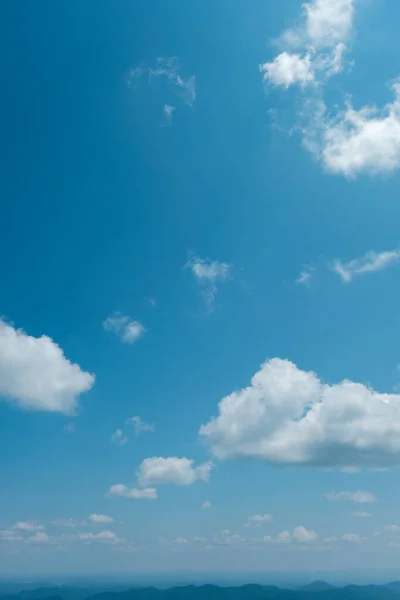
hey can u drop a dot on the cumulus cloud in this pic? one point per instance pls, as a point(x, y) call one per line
point(137, 494)
point(303, 535)
point(363, 141)
point(181, 540)
point(103, 537)
point(261, 518)
point(289, 416)
point(28, 526)
point(209, 273)
point(287, 69)
point(358, 497)
point(348, 142)
point(35, 374)
point(172, 470)
point(95, 518)
point(361, 514)
point(10, 536)
point(128, 330)
point(369, 263)
point(139, 426)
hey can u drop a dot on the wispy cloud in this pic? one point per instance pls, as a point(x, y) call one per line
point(126, 328)
point(369, 263)
point(170, 68)
point(168, 111)
point(358, 497)
point(209, 273)
point(305, 275)
point(139, 426)
point(119, 438)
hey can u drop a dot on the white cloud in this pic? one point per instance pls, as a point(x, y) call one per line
point(181, 540)
point(367, 140)
point(10, 536)
point(303, 535)
point(28, 526)
point(261, 518)
point(284, 537)
point(119, 438)
point(314, 50)
point(328, 22)
point(361, 514)
point(95, 518)
point(173, 470)
point(168, 112)
point(39, 538)
point(170, 69)
point(103, 537)
point(287, 69)
point(392, 528)
point(140, 426)
point(354, 538)
point(35, 374)
point(66, 523)
point(200, 539)
point(348, 142)
point(350, 470)
point(137, 494)
point(209, 273)
point(128, 330)
point(206, 505)
point(305, 275)
point(289, 416)
point(369, 263)
point(358, 497)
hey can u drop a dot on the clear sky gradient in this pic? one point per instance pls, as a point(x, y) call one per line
point(200, 219)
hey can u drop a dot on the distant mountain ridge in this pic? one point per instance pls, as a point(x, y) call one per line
point(317, 590)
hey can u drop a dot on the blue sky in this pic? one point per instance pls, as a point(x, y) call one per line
point(199, 334)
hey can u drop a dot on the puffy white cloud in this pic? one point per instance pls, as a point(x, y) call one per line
point(119, 438)
point(369, 263)
point(206, 505)
point(178, 471)
point(137, 494)
point(289, 416)
point(95, 518)
point(124, 327)
point(28, 526)
point(351, 142)
point(361, 514)
point(284, 537)
point(354, 538)
point(66, 522)
point(261, 518)
point(209, 273)
point(367, 140)
point(358, 497)
point(103, 537)
point(35, 374)
point(287, 69)
point(139, 426)
point(328, 22)
point(303, 535)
